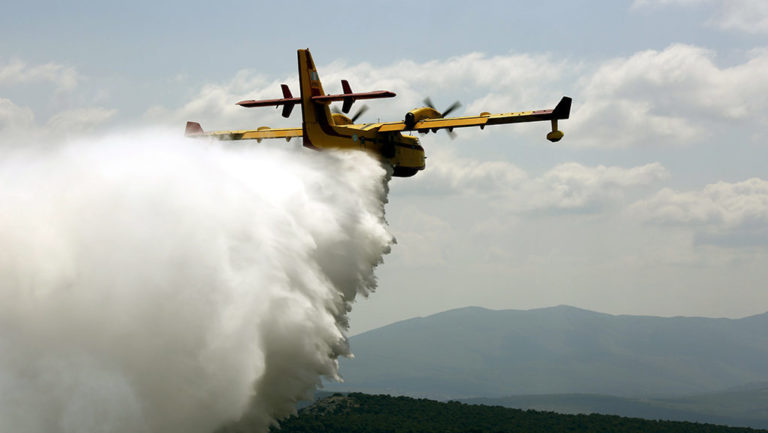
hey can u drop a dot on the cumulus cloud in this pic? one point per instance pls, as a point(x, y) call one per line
point(672, 96)
point(570, 187)
point(19, 72)
point(576, 186)
point(520, 78)
point(750, 16)
point(13, 117)
point(448, 173)
point(20, 124)
point(214, 103)
point(427, 237)
point(722, 212)
point(79, 120)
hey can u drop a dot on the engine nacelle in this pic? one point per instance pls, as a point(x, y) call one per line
point(417, 115)
point(340, 119)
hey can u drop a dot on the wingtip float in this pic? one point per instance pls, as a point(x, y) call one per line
point(324, 129)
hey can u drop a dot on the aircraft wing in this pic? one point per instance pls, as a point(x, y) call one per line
point(195, 130)
point(561, 111)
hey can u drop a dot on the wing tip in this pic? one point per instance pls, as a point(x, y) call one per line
point(563, 108)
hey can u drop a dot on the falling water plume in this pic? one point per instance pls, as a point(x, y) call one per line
point(152, 283)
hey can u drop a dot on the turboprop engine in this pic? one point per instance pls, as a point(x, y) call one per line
point(429, 112)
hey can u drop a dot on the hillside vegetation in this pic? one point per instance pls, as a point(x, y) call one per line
point(747, 407)
point(361, 413)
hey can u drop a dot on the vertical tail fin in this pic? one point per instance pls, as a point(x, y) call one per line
point(316, 116)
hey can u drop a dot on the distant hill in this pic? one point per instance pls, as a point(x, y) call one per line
point(745, 407)
point(475, 352)
point(360, 413)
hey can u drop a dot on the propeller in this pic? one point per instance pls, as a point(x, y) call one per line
point(359, 112)
point(455, 105)
point(452, 107)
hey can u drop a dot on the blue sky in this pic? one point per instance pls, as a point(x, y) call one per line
point(655, 202)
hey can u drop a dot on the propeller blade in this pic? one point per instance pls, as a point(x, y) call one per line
point(454, 106)
point(359, 113)
point(451, 133)
point(428, 103)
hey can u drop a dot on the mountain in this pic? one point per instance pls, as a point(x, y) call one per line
point(360, 413)
point(476, 352)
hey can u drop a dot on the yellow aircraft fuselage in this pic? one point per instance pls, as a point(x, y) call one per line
point(323, 130)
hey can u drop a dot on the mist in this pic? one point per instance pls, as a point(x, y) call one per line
point(152, 283)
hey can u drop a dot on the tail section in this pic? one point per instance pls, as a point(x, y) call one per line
point(192, 129)
point(316, 115)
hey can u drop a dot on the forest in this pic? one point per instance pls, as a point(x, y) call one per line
point(363, 413)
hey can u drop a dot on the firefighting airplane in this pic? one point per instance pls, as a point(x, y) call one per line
point(322, 129)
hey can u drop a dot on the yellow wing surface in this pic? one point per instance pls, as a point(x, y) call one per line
point(561, 111)
point(194, 129)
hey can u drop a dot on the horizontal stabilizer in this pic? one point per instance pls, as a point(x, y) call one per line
point(366, 95)
point(193, 128)
point(287, 101)
point(320, 98)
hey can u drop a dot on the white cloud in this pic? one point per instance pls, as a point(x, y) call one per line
point(674, 96)
point(13, 117)
point(574, 186)
point(566, 187)
point(427, 237)
point(520, 78)
point(22, 123)
point(750, 16)
point(79, 120)
point(19, 124)
point(720, 213)
point(214, 104)
point(19, 72)
point(448, 173)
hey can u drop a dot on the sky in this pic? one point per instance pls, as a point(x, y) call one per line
point(654, 203)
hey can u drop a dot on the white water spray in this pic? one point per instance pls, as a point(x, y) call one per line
point(151, 283)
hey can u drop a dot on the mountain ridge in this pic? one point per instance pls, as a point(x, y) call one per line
point(562, 307)
point(474, 351)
